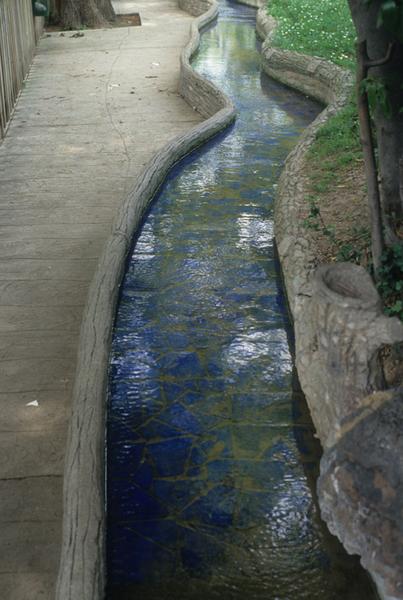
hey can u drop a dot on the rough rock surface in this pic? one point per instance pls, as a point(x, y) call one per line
point(349, 328)
point(361, 490)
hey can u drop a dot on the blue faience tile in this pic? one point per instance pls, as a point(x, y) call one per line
point(129, 502)
point(122, 429)
point(160, 531)
point(180, 364)
point(170, 456)
point(143, 477)
point(177, 494)
point(199, 553)
point(197, 457)
point(261, 475)
point(206, 484)
point(176, 340)
point(135, 559)
point(192, 398)
point(253, 509)
point(181, 418)
point(172, 391)
point(215, 508)
point(214, 368)
point(156, 430)
point(125, 457)
point(207, 386)
point(194, 472)
point(222, 471)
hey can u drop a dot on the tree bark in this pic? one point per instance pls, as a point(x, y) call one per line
point(374, 203)
point(106, 8)
point(86, 13)
point(389, 128)
point(54, 6)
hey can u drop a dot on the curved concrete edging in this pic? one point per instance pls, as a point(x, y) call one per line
point(332, 85)
point(82, 572)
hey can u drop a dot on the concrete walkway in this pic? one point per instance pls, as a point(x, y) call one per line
point(94, 110)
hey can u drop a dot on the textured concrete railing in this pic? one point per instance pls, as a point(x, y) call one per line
point(82, 565)
point(349, 328)
point(339, 328)
point(197, 91)
point(313, 76)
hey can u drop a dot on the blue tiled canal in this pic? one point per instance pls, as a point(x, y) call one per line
point(211, 456)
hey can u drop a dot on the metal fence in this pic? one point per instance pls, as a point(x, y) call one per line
point(17, 45)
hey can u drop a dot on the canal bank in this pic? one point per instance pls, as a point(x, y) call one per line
point(82, 570)
point(100, 360)
point(340, 329)
point(92, 113)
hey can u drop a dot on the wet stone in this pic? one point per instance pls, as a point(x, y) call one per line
point(170, 456)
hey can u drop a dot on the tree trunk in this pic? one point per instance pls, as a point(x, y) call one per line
point(374, 203)
point(389, 128)
point(86, 13)
point(106, 8)
point(54, 7)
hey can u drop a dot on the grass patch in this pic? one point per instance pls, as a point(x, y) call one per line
point(318, 27)
point(337, 144)
point(336, 213)
point(336, 209)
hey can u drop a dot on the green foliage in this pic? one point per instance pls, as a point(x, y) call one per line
point(337, 144)
point(321, 27)
point(390, 276)
point(377, 92)
point(390, 16)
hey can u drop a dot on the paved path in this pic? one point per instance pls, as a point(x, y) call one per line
point(94, 110)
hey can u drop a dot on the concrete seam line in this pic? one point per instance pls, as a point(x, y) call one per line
point(82, 565)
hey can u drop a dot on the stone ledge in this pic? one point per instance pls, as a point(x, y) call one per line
point(332, 345)
point(82, 571)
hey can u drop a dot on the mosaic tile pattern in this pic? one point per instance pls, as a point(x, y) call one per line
point(211, 458)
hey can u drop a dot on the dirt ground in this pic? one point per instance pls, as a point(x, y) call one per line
point(344, 206)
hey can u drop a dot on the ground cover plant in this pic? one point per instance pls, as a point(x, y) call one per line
point(336, 212)
point(335, 180)
point(320, 27)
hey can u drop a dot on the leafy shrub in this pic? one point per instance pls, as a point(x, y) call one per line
point(390, 276)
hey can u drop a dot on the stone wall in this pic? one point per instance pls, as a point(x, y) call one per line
point(339, 330)
point(200, 93)
point(82, 564)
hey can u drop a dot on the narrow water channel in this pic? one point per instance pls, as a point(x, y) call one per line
point(211, 456)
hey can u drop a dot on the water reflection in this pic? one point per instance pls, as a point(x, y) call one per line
point(211, 457)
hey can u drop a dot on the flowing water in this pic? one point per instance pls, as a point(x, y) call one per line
point(211, 456)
